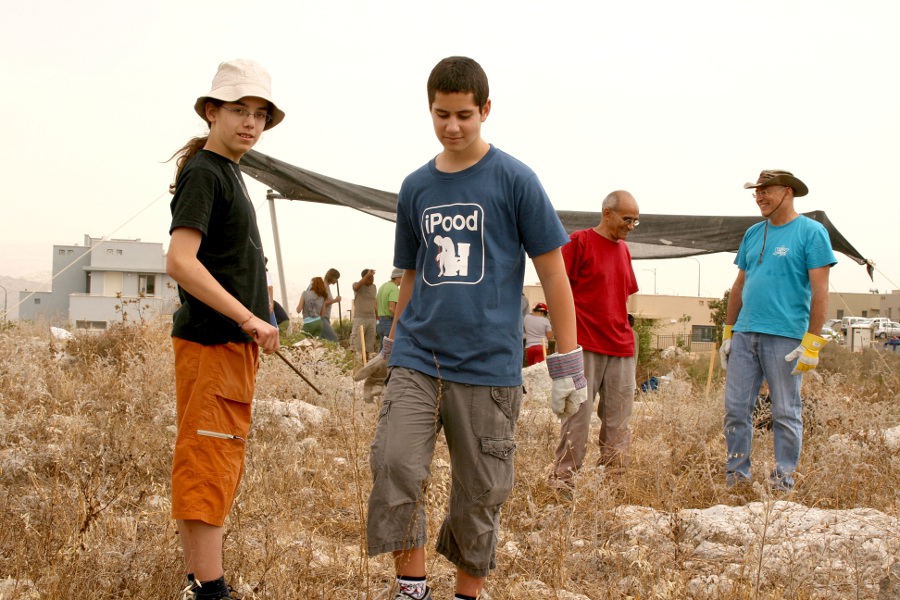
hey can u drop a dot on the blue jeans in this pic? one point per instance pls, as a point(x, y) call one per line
point(756, 357)
point(383, 328)
point(328, 331)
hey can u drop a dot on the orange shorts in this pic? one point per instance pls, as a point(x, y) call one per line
point(214, 388)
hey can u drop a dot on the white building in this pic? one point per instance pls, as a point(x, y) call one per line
point(103, 282)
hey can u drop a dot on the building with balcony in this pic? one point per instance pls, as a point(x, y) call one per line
point(104, 282)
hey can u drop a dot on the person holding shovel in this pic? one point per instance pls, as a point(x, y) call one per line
point(331, 278)
point(365, 309)
point(215, 255)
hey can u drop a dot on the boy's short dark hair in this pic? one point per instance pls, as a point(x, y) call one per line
point(459, 74)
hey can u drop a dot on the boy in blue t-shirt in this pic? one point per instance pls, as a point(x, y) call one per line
point(465, 221)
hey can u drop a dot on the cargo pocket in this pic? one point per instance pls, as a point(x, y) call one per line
point(235, 368)
point(494, 424)
point(502, 449)
point(494, 480)
point(496, 419)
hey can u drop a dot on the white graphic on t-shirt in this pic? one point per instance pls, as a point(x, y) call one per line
point(780, 251)
point(449, 262)
point(454, 239)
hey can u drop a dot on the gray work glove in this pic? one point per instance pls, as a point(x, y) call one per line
point(377, 367)
point(569, 389)
point(373, 388)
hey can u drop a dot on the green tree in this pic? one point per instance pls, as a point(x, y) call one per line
point(717, 312)
point(644, 329)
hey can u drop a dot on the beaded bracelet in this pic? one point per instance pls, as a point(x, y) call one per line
point(245, 320)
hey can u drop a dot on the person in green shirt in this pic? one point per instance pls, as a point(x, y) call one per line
point(386, 303)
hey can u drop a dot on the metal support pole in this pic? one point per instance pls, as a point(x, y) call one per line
point(271, 196)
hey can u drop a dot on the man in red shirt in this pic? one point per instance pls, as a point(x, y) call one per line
point(598, 263)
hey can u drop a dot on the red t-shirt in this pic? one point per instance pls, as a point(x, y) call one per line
point(602, 279)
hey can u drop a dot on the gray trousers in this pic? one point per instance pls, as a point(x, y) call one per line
point(613, 378)
point(368, 325)
point(479, 423)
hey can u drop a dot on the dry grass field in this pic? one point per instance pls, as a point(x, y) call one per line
point(87, 430)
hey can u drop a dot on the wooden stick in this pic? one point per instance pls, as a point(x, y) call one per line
point(340, 315)
point(712, 364)
point(362, 343)
point(297, 371)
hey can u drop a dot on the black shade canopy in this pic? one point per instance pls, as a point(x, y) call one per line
point(659, 236)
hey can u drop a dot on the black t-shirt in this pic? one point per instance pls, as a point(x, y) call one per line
point(210, 196)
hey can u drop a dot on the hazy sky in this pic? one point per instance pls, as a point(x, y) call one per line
point(678, 102)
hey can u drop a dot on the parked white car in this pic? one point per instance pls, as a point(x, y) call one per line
point(886, 330)
point(848, 322)
point(876, 321)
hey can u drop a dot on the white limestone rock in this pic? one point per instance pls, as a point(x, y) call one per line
point(294, 415)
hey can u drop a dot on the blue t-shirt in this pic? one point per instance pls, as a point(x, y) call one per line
point(466, 235)
point(777, 293)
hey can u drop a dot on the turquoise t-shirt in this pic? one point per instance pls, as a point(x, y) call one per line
point(777, 294)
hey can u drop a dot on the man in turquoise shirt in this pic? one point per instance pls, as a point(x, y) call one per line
point(775, 313)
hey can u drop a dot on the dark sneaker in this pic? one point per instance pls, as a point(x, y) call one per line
point(188, 592)
point(218, 591)
point(735, 480)
point(562, 489)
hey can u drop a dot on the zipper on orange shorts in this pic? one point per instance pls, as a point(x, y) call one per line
point(221, 436)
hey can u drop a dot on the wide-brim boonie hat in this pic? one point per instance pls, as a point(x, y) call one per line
point(238, 79)
point(776, 177)
point(396, 273)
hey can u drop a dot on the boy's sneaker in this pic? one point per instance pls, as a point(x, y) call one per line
point(404, 596)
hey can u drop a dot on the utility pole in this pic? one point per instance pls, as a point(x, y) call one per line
point(698, 273)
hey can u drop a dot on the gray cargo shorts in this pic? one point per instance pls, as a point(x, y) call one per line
point(479, 423)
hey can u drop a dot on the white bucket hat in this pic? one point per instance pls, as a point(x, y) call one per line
point(238, 79)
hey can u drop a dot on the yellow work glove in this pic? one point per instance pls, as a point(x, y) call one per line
point(807, 353)
point(725, 348)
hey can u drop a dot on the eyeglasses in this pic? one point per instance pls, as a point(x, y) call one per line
point(243, 113)
point(767, 191)
point(632, 221)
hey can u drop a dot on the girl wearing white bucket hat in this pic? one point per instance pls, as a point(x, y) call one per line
point(215, 255)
